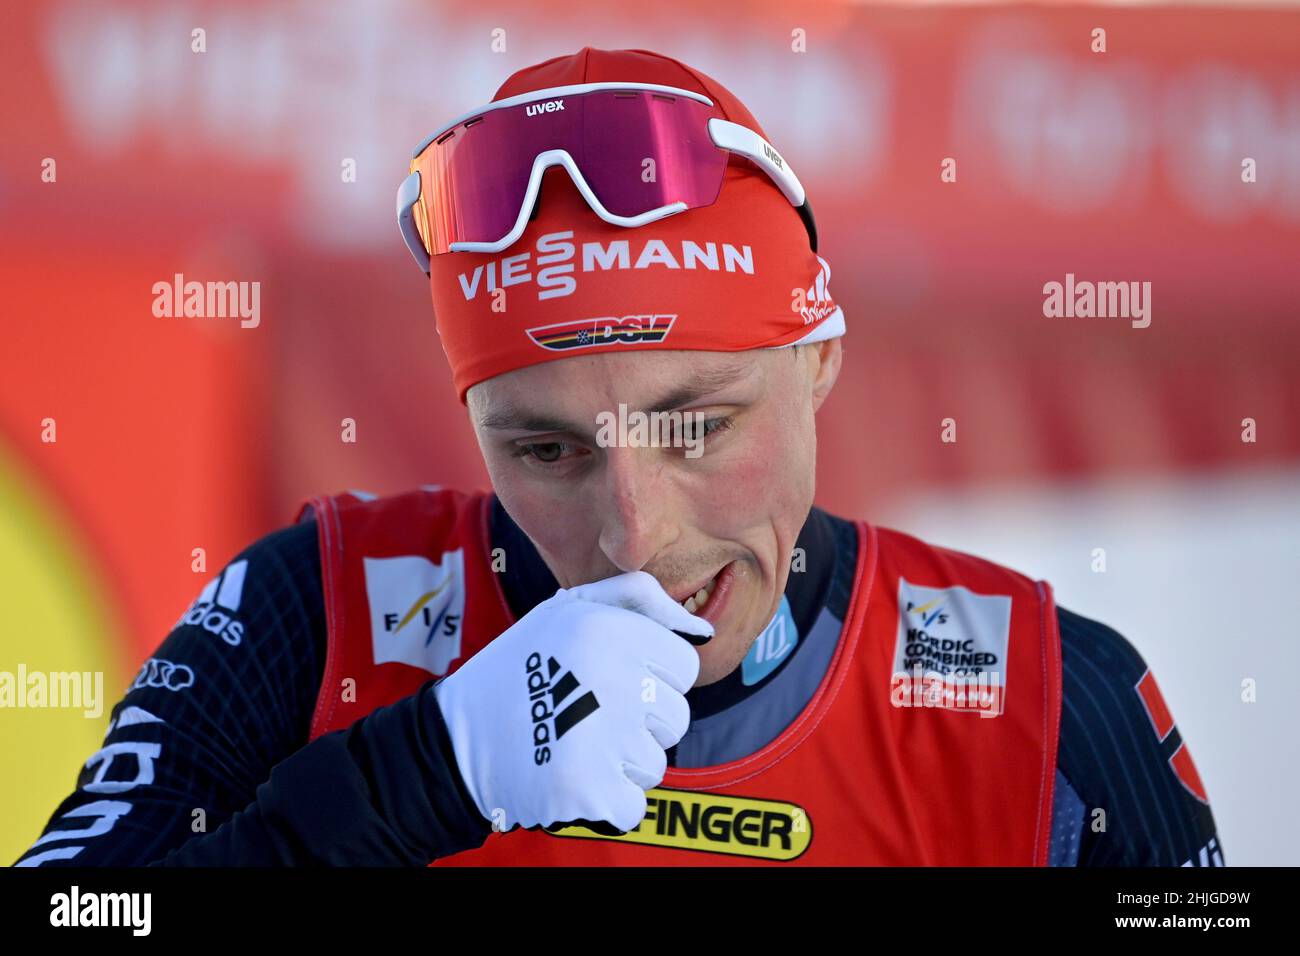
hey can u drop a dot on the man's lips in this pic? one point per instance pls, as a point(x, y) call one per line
point(680, 594)
point(708, 597)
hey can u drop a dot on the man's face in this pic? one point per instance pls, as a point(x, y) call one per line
point(722, 516)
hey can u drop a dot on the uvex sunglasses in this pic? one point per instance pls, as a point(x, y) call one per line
point(636, 151)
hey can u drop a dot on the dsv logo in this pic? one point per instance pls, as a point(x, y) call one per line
point(585, 333)
point(157, 672)
point(550, 106)
point(549, 726)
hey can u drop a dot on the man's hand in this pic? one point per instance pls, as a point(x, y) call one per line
point(567, 715)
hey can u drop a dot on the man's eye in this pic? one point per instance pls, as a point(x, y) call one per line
point(690, 431)
point(718, 424)
point(545, 452)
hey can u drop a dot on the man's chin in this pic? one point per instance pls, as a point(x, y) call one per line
point(716, 662)
point(723, 654)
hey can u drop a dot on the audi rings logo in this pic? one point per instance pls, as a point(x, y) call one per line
point(157, 672)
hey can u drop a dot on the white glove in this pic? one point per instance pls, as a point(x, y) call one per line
point(566, 715)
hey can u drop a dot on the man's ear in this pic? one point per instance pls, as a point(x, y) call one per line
point(830, 354)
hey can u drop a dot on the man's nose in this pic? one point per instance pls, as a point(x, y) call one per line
point(636, 520)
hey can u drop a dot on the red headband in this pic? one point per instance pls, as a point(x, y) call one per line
point(732, 276)
point(735, 275)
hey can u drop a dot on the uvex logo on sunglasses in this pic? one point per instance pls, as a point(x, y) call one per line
point(550, 106)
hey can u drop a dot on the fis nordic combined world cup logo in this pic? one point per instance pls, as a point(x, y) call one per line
point(951, 649)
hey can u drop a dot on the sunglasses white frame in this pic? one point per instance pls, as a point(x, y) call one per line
point(725, 135)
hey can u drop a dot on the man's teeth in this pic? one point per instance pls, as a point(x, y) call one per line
point(700, 597)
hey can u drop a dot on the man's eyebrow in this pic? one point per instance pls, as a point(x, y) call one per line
point(514, 418)
point(511, 418)
point(705, 382)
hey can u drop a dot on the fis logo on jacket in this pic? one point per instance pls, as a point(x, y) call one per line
point(716, 823)
point(550, 724)
point(417, 609)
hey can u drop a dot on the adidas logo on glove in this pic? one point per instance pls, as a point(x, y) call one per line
point(549, 726)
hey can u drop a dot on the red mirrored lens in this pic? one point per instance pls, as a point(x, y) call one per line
point(638, 151)
point(647, 150)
